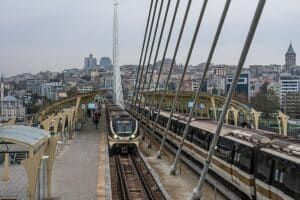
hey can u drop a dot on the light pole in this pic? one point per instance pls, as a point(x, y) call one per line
point(44, 159)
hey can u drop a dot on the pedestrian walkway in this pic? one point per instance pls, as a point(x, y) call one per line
point(76, 169)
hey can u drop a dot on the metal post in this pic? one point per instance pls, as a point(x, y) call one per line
point(197, 192)
point(150, 55)
point(146, 52)
point(182, 77)
point(142, 52)
point(171, 69)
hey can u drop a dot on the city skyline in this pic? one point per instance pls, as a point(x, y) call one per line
point(56, 35)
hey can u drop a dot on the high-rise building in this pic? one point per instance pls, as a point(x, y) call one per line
point(291, 104)
point(290, 56)
point(90, 62)
point(288, 84)
point(243, 85)
point(105, 62)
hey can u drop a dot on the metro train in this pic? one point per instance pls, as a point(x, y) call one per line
point(254, 163)
point(122, 129)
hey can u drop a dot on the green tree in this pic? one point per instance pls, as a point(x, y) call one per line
point(266, 100)
point(241, 97)
point(72, 91)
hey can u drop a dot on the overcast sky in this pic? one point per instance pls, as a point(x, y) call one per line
point(53, 35)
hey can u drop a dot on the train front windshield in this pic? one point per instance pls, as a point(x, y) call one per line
point(124, 128)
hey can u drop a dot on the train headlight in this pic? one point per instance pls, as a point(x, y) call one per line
point(133, 136)
point(115, 136)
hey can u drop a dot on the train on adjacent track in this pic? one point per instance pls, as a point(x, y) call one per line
point(122, 129)
point(254, 163)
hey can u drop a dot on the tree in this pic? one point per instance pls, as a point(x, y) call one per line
point(214, 91)
point(72, 91)
point(241, 97)
point(266, 100)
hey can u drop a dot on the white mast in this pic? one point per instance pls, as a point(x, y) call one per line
point(117, 84)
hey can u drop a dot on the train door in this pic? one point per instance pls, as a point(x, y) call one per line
point(234, 168)
point(284, 180)
point(263, 174)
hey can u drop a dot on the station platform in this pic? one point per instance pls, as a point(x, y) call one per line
point(181, 185)
point(76, 167)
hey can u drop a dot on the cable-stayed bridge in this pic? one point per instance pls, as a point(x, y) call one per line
point(159, 144)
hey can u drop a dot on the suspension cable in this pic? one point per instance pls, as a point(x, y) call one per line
point(146, 52)
point(211, 53)
point(165, 52)
point(142, 52)
point(151, 51)
point(171, 69)
point(157, 50)
point(197, 192)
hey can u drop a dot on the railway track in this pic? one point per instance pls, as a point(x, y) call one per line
point(131, 179)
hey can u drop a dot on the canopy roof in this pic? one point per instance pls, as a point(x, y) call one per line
point(23, 135)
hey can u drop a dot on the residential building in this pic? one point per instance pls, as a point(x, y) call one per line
point(12, 107)
point(288, 83)
point(105, 62)
point(291, 105)
point(34, 85)
point(243, 85)
point(85, 88)
point(90, 62)
point(51, 90)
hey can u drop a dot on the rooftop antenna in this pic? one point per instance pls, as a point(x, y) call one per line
point(117, 85)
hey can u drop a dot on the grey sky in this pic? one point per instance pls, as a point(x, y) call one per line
point(38, 35)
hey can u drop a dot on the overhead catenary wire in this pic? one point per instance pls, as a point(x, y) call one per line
point(197, 191)
point(158, 48)
point(151, 52)
point(146, 53)
point(142, 53)
point(171, 69)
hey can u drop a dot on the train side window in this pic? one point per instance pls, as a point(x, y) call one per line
point(201, 139)
point(263, 166)
point(286, 177)
point(243, 158)
point(224, 150)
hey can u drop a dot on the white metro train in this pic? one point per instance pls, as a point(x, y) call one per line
point(256, 164)
point(122, 129)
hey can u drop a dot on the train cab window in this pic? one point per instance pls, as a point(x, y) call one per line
point(224, 149)
point(201, 138)
point(263, 167)
point(124, 127)
point(286, 177)
point(243, 158)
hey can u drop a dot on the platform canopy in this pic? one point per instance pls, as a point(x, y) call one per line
point(26, 136)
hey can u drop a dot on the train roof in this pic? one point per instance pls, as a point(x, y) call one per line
point(281, 144)
point(120, 114)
